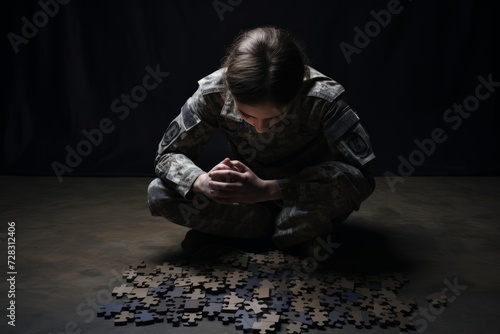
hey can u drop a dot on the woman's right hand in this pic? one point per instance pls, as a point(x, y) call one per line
point(201, 184)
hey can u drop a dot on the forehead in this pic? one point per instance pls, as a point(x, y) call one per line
point(264, 110)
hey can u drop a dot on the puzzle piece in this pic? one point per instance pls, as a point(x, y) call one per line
point(329, 301)
point(437, 299)
point(183, 282)
point(226, 317)
point(109, 311)
point(383, 314)
point(400, 306)
point(138, 293)
point(244, 293)
point(169, 269)
point(214, 298)
point(255, 305)
point(319, 318)
point(215, 286)
point(233, 298)
point(219, 273)
point(264, 327)
point(160, 291)
point(300, 304)
point(196, 294)
point(162, 307)
point(191, 318)
point(230, 307)
point(302, 317)
point(138, 265)
point(236, 279)
point(360, 319)
point(352, 297)
point(212, 310)
point(176, 304)
point(144, 317)
point(404, 323)
point(244, 320)
point(174, 318)
point(296, 327)
point(279, 305)
point(123, 318)
point(176, 292)
point(336, 319)
point(130, 275)
point(122, 290)
point(261, 292)
point(194, 305)
point(148, 301)
point(133, 305)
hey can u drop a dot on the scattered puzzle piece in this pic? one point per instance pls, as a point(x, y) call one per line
point(258, 292)
point(255, 305)
point(360, 319)
point(296, 327)
point(437, 299)
point(191, 318)
point(144, 317)
point(109, 311)
point(124, 317)
point(244, 320)
point(122, 290)
point(336, 319)
point(212, 310)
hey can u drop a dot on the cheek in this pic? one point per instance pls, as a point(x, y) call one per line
point(273, 122)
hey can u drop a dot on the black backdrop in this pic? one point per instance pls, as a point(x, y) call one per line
point(64, 78)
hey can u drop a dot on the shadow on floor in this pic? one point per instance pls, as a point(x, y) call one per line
point(361, 250)
point(364, 250)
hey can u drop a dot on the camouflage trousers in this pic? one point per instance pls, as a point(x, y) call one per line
point(322, 200)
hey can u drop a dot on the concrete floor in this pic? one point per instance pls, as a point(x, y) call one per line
point(72, 238)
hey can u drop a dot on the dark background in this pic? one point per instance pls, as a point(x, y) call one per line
point(65, 78)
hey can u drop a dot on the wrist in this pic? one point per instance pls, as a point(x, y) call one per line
point(198, 183)
point(272, 190)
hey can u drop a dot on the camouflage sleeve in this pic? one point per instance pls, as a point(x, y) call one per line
point(349, 171)
point(183, 141)
point(351, 147)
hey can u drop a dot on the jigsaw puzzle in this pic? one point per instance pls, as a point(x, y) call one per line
point(258, 293)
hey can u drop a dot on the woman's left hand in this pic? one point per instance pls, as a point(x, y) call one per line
point(245, 186)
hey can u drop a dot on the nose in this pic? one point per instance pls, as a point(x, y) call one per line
point(259, 126)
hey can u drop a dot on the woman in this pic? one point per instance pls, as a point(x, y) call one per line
point(301, 157)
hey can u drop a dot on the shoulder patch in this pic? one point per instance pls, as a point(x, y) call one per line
point(171, 133)
point(357, 144)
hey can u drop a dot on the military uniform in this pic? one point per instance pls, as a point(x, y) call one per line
point(319, 154)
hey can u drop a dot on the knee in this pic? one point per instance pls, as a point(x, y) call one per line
point(158, 195)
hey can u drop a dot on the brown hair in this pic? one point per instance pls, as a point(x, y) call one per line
point(265, 65)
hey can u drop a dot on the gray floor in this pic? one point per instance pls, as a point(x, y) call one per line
point(72, 238)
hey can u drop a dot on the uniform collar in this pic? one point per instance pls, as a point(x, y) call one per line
point(229, 111)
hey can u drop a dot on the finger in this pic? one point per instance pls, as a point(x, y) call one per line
point(225, 186)
point(221, 167)
point(227, 162)
point(239, 165)
point(226, 176)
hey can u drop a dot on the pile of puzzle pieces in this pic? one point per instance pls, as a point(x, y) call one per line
point(258, 293)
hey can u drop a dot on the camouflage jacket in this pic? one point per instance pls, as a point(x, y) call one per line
point(319, 127)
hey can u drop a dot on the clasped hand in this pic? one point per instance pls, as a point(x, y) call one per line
point(231, 181)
